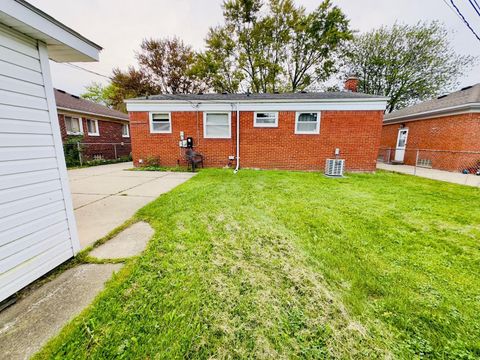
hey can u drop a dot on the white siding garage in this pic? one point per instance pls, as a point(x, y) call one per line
point(37, 226)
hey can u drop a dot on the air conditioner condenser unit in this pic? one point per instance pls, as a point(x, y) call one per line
point(334, 167)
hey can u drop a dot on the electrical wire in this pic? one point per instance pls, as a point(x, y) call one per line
point(476, 3)
point(81, 68)
point(465, 20)
point(452, 9)
point(475, 7)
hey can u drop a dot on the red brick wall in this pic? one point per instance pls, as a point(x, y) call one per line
point(356, 133)
point(449, 133)
point(110, 132)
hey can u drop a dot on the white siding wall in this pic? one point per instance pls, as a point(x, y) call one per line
point(37, 228)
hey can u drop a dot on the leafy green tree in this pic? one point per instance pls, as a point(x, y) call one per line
point(407, 63)
point(273, 46)
point(168, 63)
point(96, 92)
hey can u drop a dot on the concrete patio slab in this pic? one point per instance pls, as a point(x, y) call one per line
point(130, 242)
point(106, 184)
point(434, 174)
point(27, 325)
point(105, 196)
point(97, 219)
point(157, 186)
point(84, 199)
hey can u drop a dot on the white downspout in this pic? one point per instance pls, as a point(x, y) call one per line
point(238, 141)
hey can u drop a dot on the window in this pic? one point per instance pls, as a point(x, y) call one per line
point(307, 123)
point(73, 125)
point(217, 125)
point(125, 131)
point(160, 123)
point(265, 119)
point(92, 127)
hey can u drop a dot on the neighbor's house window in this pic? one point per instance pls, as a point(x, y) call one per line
point(125, 131)
point(73, 125)
point(307, 123)
point(266, 119)
point(160, 123)
point(217, 125)
point(92, 127)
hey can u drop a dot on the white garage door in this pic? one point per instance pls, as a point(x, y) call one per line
point(37, 229)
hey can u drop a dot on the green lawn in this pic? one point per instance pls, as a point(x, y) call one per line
point(271, 264)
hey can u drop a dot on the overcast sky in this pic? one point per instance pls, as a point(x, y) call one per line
point(120, 26)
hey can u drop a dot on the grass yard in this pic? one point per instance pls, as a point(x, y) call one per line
point(272, 264)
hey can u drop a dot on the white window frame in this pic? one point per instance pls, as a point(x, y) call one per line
point(128, 131)
point(160, 131)
point(96, 133)
point(317, 130)
point(80, 124)
point(205, 114)
point(256, 124)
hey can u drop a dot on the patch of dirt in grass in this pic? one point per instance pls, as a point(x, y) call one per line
point(270, 304)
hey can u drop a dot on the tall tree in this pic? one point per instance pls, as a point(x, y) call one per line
point(273, 45)
point(407, 63)
point(169, 63)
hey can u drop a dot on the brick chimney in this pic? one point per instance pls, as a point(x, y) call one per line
point(351, 84)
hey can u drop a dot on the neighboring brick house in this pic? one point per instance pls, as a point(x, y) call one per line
point(276, 131)
point(450, 125)
point(105, 132)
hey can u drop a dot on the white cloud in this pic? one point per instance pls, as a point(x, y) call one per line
point(119, 26)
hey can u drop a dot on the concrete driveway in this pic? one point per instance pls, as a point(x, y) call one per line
point(106, 196)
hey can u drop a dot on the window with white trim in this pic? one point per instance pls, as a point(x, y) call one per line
point(160, 123)
point(307, 123)
point(125, 131)
point(217, 125)
point(92, 127)
point(265, 119)
point(73, 125)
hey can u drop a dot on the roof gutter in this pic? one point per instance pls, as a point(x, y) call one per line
point(76, 111)
point(452, 110)
point(57, 23)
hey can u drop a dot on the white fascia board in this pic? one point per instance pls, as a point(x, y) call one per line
point(34, 23)
point(453, 110)
point(340, 105)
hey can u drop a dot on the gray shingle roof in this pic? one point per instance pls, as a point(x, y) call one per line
point(244, 97)
point(68, 101)
point(466, 96)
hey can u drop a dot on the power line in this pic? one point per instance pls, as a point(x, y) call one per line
point(87, 70)
point(476, 3)
point(474, 7)
point(452, 9)
point(465, 20)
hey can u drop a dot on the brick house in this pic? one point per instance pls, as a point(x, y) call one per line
point(269, 131)
point(105, 132)
point(449, 124)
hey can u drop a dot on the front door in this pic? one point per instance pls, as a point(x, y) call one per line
point(401, 145)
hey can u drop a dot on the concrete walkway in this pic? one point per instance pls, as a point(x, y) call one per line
point(453, 177)
point(130, 242)
point(106, 196)
point(27, 325)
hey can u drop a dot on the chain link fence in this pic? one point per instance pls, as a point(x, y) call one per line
point(81, 153)
point(461, 167)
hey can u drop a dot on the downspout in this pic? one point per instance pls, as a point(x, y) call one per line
point(238, 141)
